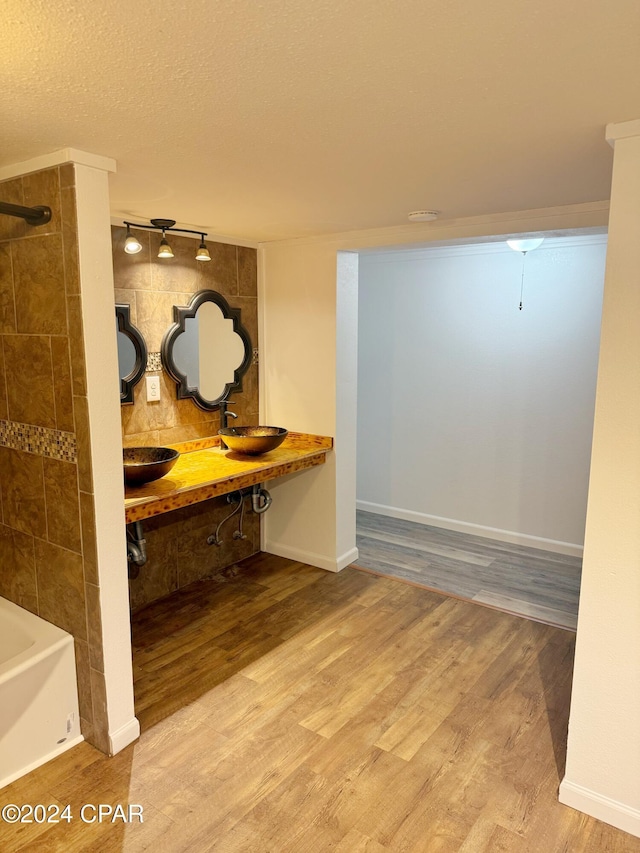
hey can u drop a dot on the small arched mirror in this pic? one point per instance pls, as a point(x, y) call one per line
point(132, 353)
point(207, 350)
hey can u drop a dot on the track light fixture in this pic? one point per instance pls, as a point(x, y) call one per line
point(132, 246)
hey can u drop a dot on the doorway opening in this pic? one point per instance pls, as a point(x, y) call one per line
point(475, 419)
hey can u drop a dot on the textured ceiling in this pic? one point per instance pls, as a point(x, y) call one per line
point(267, 119)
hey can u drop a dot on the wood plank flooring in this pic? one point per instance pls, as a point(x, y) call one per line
point(526, 581)
point(330, 712)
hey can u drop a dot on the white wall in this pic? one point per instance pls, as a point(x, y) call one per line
point(472, 414)
point(603, 756)
point(308, 364)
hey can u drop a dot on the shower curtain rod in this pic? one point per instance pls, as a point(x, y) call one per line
point(38, 215)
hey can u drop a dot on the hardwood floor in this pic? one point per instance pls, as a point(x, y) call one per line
point(329, 712)
point(527, 581)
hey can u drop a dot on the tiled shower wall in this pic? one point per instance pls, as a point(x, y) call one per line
point(47, 536)
point(177, 550)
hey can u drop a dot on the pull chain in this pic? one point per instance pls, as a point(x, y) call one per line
point(524, 255)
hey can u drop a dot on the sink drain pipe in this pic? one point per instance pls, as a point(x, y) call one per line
point(136, 549)
point(261, 500)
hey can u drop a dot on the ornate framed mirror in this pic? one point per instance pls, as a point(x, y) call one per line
point(207, 350)
point(132, 353)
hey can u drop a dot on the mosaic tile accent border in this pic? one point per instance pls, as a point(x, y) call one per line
point(154, 362)
point(39, 440)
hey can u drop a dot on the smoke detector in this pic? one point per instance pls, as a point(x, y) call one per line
point(423, 215)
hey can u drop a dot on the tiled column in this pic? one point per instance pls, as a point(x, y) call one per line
point(48, 546)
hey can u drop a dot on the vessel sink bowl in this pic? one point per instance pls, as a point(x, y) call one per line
point(253, 440)
point(145, 464)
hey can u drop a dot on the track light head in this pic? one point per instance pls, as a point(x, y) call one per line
point(131, 244)
point(203, 253)
point(165, 249)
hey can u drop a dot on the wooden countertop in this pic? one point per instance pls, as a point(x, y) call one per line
point(205, 470)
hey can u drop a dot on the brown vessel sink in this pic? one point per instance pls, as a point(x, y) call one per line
point(145, 464)
point(253, 440)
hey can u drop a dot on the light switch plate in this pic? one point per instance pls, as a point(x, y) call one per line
point(153, 388)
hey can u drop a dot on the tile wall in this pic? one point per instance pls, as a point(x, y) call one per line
point(47, 531)
point(176, 542)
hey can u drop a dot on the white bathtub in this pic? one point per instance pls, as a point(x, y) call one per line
point(38, 692)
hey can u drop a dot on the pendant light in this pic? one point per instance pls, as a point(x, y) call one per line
point(524, 246)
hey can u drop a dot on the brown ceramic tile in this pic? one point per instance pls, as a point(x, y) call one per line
point(67, 175)
point(179, 273)
point(142, 439)
point(62, 384)
point(83, 436)
point(159, 576)
point(76, 346)
point(70, 241)
point(38, 275)
point(83, 672)
point(61, 597)
point(246, 401)
point(63, 504)
point(43, 188)
point(87, 730)
point(248, 316)
point(126, 297)
point(4, 408)
point(247, 272)
point(188, 432)
point(18, 568)
point(136, 418)
point(29, 374)
point(130, 272)
point(94, 626)
point(88, 523)
point(154, 313)
point(186, 412)
point(197, 559)
point(11, 228)
point(100, 718)
point(7, 300)
point(221, 273)
point(22, 482)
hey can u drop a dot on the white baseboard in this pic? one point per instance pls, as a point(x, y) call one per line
point(602, 808)
point(473, 529)
point(124, 736)
point(336, 564)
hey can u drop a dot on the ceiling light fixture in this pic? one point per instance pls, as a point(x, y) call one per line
point(423, 215)
point(132, 246)
point(524, 246)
